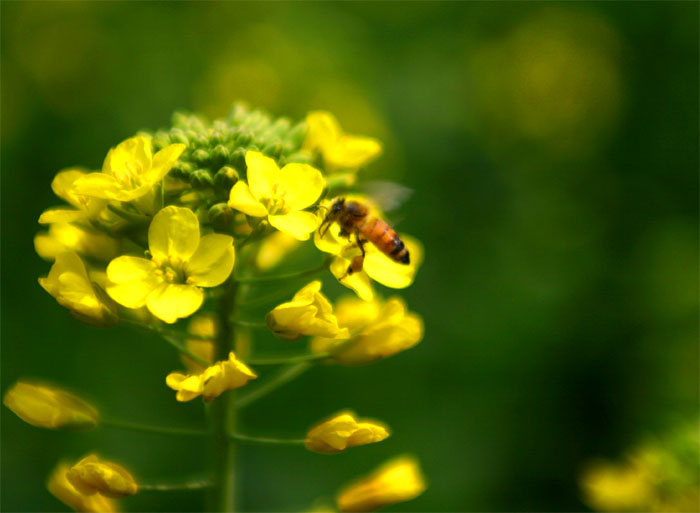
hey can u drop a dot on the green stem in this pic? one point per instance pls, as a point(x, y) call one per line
point(262, 440)
point(249, 324)
point(289, 276)
point(223, 412)
point(152, 429)
point(285, 376)
point(129, 216)
point(165, 487)
point(288, 359)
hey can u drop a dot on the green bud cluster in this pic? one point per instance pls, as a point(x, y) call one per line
point(215, 154)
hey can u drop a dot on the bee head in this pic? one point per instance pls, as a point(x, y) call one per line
point(334, 212)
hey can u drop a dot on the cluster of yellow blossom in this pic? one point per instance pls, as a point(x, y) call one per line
point(173, 222)
point(657, 476)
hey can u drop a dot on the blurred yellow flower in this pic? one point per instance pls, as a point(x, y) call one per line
point(59, 485)
point(609, 487)
point(342, 431)
point(339, 150)
point(130, 170)
point(279, 194)
point(90, 476)
point(63, 237)
point(397, 480)
point(69, 283)
point(181, 262)
point(200, 326)
point(49, 407)
point(308, 313)
point(84, 207)
point(376, 265)
point(377, 330)
point(273, 249)
point(212, 382)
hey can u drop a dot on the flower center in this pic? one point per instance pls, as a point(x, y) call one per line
point(130, 175)
point(277, 204)
point(172, 270)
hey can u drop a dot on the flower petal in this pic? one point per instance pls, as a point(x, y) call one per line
point(174, 233)
point(359, 281)
point(61, 215)
point(392, 274)
point(163, 162)
point(136, 151)
point(241, 198)
point(62, 184)
point(100, 185)
point(352, 151)
point(324, 130)
point(262, 174)
point(298, 224)
point(213, 261)
point(303, 185)
point(172, 301)
point(131, 280)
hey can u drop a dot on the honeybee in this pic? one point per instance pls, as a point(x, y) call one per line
point(354, 218)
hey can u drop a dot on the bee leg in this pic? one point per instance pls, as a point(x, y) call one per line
point(361, 245)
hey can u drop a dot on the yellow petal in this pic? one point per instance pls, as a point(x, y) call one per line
point(263, 172)
point(352, 151)
point(213, 261)
point(131, 280)
point(359, 281)
point(132, 154)
point(174, 233)
point(390, 273)
point(163, 162)
point(64, 491)
point(100, 185)
point(298, 224)
point(172, 301)
point(324, 130)
point(91, 476)
point(241, 198)
point(302, 184)
point(62, 184)
point(61, 215)
point(342, 431)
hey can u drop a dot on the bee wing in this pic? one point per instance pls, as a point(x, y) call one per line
point(388, 196)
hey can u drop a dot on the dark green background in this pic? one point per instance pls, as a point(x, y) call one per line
point(553, 150)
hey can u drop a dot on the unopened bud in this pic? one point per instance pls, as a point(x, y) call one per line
point(244, 138)
point(225, 178)
point(221, 153)
point(201, 156)
point(201, 179)
point(273, 150)
point(221, 217)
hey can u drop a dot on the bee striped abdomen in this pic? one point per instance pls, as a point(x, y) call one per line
point(385, 239)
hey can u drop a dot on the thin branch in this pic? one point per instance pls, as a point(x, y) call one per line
point(285, 376)
point(162, 430)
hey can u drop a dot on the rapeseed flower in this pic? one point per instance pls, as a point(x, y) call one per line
point(84, 208)
point(69, 283)
point(338, 149)
point(377, 330)
point(49, 407)
point(212, 382)
point(90, 476)
point(342, 431)
point(398, 480)
point(63, 237)
point(609, 487)
point(376, 265)
point(308, 313)
point(129, 171)
point(182, 262)
point(279, 194)
point(59, 485)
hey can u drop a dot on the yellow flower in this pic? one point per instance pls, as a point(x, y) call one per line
point(63, 237)
point(64, 491)
point(378, 330)
point(342, 431)
point(212, 382)
point(49, 407)
point(609, 487)
point(397, 480)
point(339, 150)
point(200, 326)
point(90, 476)
point(279, 194)
point(273, 249)
point(181, 262)
point(69, 283)
point(130, 170)
point(84, 207)
point(376, 265)
point(308, 313)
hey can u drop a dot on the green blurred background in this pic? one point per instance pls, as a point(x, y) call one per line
point(553, 150)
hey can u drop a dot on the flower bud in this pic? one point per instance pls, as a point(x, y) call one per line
point(342, 431)
point(90, 476)
point(397, 480)
point(273, 149)
point(59, 485)
point(244, 138)
point(201, 155)
point(220, 153)
point(49, 407)
point(201, 179)
point(221, 216)
point(225, 178)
